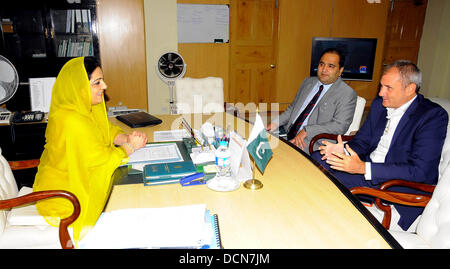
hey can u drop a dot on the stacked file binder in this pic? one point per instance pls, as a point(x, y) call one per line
point(166, 173)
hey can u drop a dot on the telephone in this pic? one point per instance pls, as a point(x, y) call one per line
point(5, 117)
point(28, 116)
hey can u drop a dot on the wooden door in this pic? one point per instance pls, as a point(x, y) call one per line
point(253, 36)
point(404, 30)
point(122, 52)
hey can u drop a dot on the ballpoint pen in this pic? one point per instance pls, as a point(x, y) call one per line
point(191, 131)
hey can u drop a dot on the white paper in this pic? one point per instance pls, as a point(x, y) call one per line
point(240, 161)
point(41, 93)
point(236, 146)
point(171, 135)
point(181, 226)
point(203, 156)
point(176, 135)
point(245, 171)
point(156, 153)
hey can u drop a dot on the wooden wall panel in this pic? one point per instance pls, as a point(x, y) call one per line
point(300, 21)
point(207, 59)
point(362, 19)
point(404, 31)
point(122, 52)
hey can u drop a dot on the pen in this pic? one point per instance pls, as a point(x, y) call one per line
point(191, 131)
point(188, 127)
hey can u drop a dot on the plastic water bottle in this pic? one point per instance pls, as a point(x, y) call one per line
point(223, 159)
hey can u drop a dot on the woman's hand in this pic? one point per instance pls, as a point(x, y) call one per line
point(137, 140)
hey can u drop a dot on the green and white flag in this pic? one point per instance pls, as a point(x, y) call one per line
point(258, 146)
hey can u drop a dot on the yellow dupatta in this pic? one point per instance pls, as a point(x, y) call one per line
point(79, 154)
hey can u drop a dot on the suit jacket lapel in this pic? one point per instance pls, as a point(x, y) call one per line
point(328, 95)
point(331, 91)
point(405, 119)
point(306, 90)
point(379, 128)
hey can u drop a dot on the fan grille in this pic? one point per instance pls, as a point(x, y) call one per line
point(9, 80)
point(170, 65)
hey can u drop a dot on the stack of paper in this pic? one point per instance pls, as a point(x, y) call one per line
point(155, 153)
point(41, 93)
point(167, 227)
point(171, 135)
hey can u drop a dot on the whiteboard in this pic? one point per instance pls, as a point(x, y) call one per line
point(203, 23)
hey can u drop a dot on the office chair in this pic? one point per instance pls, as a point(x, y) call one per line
point(199, 95)
point(23, 227)
point(432, 228)
point(357, 116)
point(352, 129)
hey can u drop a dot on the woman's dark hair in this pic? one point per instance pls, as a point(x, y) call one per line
point(90, 64)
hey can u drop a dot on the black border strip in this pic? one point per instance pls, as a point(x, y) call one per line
point(372, 220)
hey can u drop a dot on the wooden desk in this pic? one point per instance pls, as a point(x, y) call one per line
point(299, 206)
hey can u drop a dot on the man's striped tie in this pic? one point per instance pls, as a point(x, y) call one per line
point(299, 121)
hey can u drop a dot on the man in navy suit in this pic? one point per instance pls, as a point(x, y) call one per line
point(401, 138)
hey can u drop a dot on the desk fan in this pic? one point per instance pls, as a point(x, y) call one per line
point(171, 67)
point(9, 81)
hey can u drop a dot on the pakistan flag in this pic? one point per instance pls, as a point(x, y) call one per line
point(258, 146)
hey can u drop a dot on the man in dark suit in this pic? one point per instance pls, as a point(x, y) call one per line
point(323, 104)
point(401, 138)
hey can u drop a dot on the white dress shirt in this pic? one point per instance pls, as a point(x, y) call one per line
point(379, 154)
point(309, 98)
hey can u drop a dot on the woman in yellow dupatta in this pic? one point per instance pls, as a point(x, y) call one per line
point(82, 147)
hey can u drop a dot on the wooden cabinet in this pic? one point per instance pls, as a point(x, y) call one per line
point(39, 37)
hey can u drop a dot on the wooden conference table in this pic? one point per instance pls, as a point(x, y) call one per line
point(299, 206)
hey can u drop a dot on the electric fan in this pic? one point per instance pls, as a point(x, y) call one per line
point(171, 67)
point(9, 81)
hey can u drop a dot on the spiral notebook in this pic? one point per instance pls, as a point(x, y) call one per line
point(213, 222)
point(189, 226)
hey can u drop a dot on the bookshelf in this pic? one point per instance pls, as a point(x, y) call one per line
point(40, 36)
point(72, 32)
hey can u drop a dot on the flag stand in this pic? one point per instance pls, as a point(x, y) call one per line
point(253, 184)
